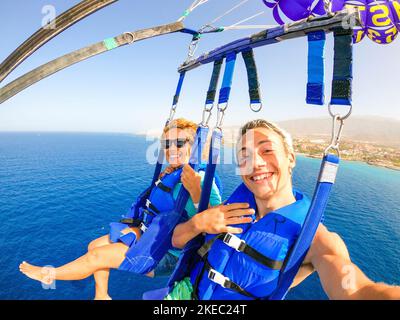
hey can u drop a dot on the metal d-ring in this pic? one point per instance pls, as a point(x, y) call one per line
point(256, 107)
point(340, 116)
point(131, 35)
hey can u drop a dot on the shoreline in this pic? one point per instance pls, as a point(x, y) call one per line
point(372, 164)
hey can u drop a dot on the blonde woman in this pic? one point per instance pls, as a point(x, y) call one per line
point(107, 252)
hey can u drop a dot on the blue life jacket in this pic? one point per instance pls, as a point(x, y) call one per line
point(158, 218)
point(247, 265)
point(161, 198)
point(147, 206)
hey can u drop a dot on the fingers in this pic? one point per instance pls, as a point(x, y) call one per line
point(233, 230)
point(239, 213)
point(239, 220)
point(187, 169)
point(234, 206)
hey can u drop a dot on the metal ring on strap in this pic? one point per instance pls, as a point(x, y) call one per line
point(130, 34)
point(340, 116)
point(256, 107)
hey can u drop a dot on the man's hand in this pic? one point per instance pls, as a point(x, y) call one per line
point(191, 180)
point(217, 219)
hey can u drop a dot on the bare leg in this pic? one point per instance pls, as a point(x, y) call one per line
point(101, 276)
point(105, 257)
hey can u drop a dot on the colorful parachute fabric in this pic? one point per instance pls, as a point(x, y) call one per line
point(380, 18)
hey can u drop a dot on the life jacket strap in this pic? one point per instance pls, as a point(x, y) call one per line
point(225, 282)
point(240, 245)
point(131, 222)
point(162, 186)
point(142, 227)
point(152, 207)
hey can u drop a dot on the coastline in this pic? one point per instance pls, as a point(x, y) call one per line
point(370, 163)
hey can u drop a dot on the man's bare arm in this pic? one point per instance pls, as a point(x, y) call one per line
point(340, 278)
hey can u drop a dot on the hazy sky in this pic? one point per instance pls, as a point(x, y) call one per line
point(130, 89)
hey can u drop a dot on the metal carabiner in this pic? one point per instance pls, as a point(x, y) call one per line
point(220, 118)
point(192, 48)
point(172, 113)
point(336, 134)
point(207, 113)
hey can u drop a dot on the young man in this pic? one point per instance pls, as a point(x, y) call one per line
point(269, 223)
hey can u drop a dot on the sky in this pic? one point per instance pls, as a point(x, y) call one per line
point(130, 89)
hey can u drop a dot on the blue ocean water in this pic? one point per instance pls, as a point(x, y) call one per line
point(60, 191)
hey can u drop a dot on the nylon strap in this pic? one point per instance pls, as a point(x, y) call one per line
point(212, 89)
point(213, 156)
point(314, 216)
point(62, 22)
point(244, 248)
point(228, 284)
point(342, 67)
point(252, 76)
point(131, 222)
point(225, 91)
point(60, 63)
point(152, 207)
point(315, 84)
point(178, 88)
point(162, 186)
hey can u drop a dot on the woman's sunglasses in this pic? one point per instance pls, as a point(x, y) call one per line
point(179, 143)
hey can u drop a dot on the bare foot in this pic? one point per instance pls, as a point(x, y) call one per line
point(45, 275)
point(107, 297)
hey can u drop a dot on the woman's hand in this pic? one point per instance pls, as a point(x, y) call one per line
point(191, 180)
point(217, 219)
point(167, 170)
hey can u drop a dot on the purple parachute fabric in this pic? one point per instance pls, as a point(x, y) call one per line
point(293, 9)
point(380, 18)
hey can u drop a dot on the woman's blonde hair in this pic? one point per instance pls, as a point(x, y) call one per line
point(261, 123)
point(181, 123)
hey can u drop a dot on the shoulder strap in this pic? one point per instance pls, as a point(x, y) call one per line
point(299, 250)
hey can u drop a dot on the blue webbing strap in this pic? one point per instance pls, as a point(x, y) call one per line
point(225, 90)
point(215, 148)
point(160, 159)
point(216, 139)
point(252, 76)
point(212, 89)
point(315, 84)
point(194, 161)
point(178, 88)
point(342, 67)
point(185, 263)
point(299, 250)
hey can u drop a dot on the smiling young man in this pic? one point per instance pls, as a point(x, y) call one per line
point(267, 213)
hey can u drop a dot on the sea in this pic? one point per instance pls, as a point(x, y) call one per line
point(59, 191)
